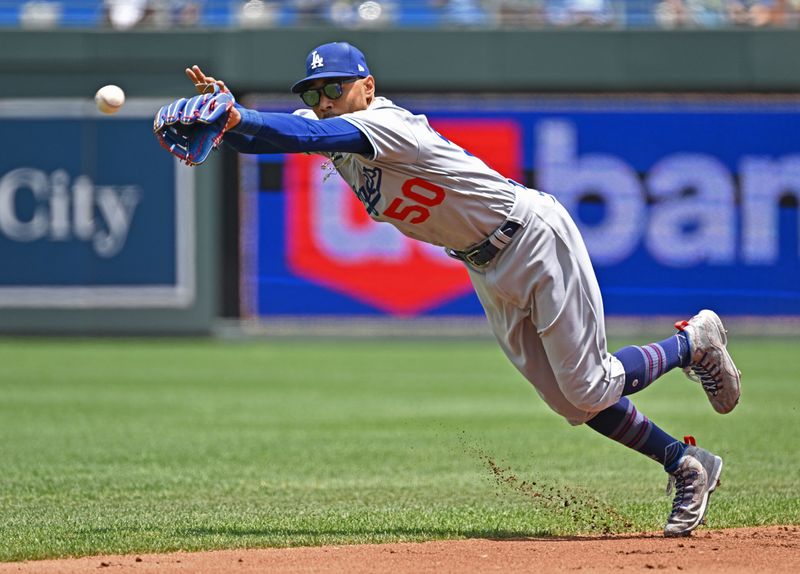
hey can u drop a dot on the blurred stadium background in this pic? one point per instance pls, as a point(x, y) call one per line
point(669, 128)
point(126, 14)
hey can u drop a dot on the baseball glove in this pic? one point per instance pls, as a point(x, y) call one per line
point(190, 129)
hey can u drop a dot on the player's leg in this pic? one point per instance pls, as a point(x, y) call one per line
point(520, 341)
point(645, 364)
point(699, 348)
point(624, 423)
point(695, 472)
point(567, 311)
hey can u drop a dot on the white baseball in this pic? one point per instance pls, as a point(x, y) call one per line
point(109, 99)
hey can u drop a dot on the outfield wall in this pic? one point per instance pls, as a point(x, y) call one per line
point(101, 232)
point(683, 203)
point(62, 63)
point(149, 65)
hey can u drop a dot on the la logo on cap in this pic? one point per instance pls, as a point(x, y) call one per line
point(316, 61)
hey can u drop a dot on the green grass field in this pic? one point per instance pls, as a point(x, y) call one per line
point(152, 445)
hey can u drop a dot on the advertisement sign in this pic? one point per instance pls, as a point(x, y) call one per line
point(684, 203)
point(93, 214)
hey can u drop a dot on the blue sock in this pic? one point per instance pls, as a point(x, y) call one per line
point(643, 365)
point(626, 425)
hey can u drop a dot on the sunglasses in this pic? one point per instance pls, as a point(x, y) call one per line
point(332, 91)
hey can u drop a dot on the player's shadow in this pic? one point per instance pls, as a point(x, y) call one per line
point(499, 535)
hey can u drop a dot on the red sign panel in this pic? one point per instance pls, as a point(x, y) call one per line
point(332, 242)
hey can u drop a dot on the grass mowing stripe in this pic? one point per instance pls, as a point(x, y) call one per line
point(153, 445)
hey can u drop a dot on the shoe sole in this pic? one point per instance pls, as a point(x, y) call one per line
point(713, 480)
point(723, 335)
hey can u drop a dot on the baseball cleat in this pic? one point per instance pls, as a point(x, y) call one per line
point(711, 365)
point(696, 477)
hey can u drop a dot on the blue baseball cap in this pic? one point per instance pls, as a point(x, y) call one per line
point(334, 60)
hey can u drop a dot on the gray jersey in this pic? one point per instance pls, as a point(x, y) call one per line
point(539, 293)
point(428, 187)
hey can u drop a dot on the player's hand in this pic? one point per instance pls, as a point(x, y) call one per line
point(233, 119)
point(202, 83)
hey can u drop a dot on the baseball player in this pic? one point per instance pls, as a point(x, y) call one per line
point(524, 254)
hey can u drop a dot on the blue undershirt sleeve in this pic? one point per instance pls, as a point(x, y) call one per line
point(267, 132)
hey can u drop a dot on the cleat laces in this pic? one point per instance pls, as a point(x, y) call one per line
point(706, 372)
point(683, 485)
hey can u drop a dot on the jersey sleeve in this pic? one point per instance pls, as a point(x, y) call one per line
point(294, 133)
point(390, 132)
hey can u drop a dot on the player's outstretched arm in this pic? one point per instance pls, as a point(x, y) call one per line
point(275, 133)
point(293, 133)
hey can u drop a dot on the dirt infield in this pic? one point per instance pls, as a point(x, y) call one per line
point(752, 550)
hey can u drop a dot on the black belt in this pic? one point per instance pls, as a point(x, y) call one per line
point(482, 253)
